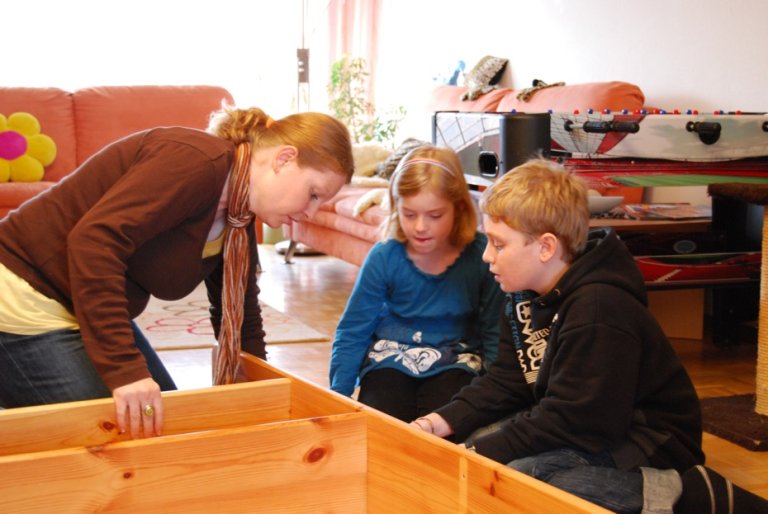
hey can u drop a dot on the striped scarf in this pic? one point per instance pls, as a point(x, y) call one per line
point(236, 261)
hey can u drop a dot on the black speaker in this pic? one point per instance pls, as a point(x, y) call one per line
point(491, 144)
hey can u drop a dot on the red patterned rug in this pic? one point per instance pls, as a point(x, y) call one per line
point(184, 324)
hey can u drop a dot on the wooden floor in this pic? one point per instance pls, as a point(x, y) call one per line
point(314, 290)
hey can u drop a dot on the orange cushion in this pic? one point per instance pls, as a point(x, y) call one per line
point(53, 109)
point(448, 98)
point(13, 194)
point(373, 216)
point(105, 114)
point(595, 95)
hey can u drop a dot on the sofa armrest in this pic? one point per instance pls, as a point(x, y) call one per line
point(599, 96)
point(448, 98)
point(615, 95)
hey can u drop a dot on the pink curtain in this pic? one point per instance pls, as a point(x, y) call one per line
point(353, 30)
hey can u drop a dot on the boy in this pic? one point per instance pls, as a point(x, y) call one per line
point(588, 393)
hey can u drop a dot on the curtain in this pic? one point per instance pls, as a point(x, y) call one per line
point(353, 30)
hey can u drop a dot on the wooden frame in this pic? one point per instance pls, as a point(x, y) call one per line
point(275, 443)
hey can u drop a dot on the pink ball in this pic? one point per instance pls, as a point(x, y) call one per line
point(12, 145)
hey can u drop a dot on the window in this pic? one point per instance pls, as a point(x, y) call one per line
point(249, 47)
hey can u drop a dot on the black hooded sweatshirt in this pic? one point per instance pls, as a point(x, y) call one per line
point(585, 366)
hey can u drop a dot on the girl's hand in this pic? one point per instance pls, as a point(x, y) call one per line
point(139, 405)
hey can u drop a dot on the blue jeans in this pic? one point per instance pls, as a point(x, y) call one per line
point(593, 477)
point(54, 367)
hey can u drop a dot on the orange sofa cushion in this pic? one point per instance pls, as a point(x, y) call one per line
point(615, 95)
point(448, 98)
point(105, 114)
point(53, 109)
point(599, 96)
point(13, 194)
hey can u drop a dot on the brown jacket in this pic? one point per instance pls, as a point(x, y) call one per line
point(129, 223)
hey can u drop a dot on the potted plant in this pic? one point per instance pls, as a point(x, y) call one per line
point(348, 102)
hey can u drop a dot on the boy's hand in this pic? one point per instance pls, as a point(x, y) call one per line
point(434, 424)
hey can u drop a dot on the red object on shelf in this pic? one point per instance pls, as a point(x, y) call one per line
point(700, 269)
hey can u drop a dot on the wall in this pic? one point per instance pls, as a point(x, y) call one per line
point(701, 54)
point(705, 54)
point(247, 47)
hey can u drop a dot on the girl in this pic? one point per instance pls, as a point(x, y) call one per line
point(423, 316)
point(154, 213)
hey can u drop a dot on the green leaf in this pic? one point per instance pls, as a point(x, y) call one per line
point(347, 101)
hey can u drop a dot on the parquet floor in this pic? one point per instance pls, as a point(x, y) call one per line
point(314, 290)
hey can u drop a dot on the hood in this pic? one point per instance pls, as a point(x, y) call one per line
point(605, 260)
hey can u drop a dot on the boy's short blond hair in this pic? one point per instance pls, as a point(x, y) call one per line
point(540, 196)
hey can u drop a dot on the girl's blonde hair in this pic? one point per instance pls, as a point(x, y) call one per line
point(438, 170)
point(540, 196)
point(322, 141)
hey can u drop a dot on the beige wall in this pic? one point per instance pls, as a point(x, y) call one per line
point(702, 54)
point(705, 54)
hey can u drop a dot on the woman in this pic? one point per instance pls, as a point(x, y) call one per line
point(154, 213)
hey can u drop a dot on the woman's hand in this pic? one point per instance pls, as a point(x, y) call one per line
point(139, 405)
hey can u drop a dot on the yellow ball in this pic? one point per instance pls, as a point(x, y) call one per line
point(42, 148)
point(5, 170)
point(24, 123)
point(39, 150)
point(26, 169)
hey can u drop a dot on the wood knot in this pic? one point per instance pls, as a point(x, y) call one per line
point(315, 454)
point(492, 485)
point(109, 426)
point(128, 475)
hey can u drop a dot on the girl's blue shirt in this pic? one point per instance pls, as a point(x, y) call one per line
point(400, 317)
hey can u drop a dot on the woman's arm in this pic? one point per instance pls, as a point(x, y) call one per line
point(152, 196)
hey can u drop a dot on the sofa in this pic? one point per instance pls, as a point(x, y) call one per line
point(83, 121)
point(341, 230)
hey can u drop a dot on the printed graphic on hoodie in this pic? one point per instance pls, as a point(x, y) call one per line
point(529, 342)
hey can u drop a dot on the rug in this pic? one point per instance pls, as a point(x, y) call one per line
point(734, 419)
point(184, 324)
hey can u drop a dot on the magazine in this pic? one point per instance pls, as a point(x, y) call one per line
point(667, 211)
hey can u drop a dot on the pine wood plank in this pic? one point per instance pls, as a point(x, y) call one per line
point(93, 423)
point(289, 467)
point(306, 397)
point(411, 468)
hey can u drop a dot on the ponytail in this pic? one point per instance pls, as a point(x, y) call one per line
point(238, 125)
point(323, 142)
